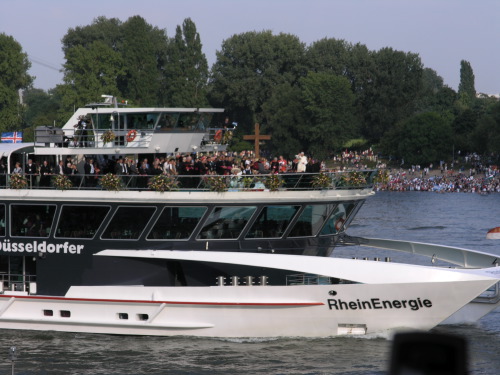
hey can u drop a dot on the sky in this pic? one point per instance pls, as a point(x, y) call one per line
point(441, 32)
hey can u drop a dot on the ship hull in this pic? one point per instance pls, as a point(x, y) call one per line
point(241, 311)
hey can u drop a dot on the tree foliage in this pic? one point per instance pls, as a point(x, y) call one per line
point(41, 107)
point(422, 138)
point(392, 95)
point(486, 135)
point(466, 87)
point(136, 61)
point(249, 67)
point(90, 72)
point(186, 69)
point(14, 65)
point(329, 104)
point(143, 50)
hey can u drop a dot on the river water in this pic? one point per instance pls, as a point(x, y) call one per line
point(455, 219)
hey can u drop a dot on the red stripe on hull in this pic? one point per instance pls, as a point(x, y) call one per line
point(167, 302)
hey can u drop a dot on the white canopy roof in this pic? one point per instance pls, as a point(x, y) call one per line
point(6, 150)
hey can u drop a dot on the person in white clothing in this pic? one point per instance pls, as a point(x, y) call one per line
point(301, 165)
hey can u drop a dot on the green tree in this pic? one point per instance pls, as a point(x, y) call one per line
point(106, 30)
point(425, 138)
point(249, 67)
point(486, 135)
point(463, 125)
point(14, 65)
point(329, 102)
point(143, 50)
point(315, 116)
point(90, 72)
point(393, 92)
point(329, 55)
point(41, 108)
point(186, 69)
point(287, 120)
point(466, 87)
point(134, 52)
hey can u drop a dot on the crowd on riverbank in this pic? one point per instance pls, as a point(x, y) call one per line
point(479, 176)
point(448, 183)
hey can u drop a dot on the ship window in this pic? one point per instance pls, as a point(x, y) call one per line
point(204, 121)
point(310, 220)
point(167, 121)
point(187, 121)
point(80, 221)
point(143, 120)
point(2, 220)
point(226, 222)
point(48, 313)
point(65, 313)
point(337, 219)
point(31, 220)
point(272, 221)
point(176, 223)
point(102, 121)
point(128, 223)
point(142, 316)
point(123, 316)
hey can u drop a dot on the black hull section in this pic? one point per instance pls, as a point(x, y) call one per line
point(56, 273)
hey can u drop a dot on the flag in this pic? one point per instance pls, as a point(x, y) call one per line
point(12, 137)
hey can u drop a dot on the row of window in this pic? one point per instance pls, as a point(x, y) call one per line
point(153, 120)
point(121, 316)
point(175, 222)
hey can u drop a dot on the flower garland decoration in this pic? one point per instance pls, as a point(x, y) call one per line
point(217, 183)
point(353, 179)
point(228, 135)
point(273, 182)
point(111, 182)
point(163, 183)
point(108, 136)
point(62, 182)
point(247, 182)
point(18, 181)
point(321, 181)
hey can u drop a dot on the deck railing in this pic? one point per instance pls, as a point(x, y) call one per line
point(359, 179)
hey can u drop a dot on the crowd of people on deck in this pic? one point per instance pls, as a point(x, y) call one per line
point(87, 172)
point(478, 178)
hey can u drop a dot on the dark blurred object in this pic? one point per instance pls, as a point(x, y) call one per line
point(423, 353)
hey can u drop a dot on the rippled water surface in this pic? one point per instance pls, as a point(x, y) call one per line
point(450, 219)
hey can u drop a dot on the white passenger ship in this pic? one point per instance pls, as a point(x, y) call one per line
point(242, 261)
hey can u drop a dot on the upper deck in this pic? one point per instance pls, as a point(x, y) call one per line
point(107, 128)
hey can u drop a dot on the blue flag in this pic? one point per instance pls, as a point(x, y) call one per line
point(12, 137)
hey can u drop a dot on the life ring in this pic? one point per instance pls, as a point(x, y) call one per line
point(131, 135)
point(339, 224)
point(218, 135)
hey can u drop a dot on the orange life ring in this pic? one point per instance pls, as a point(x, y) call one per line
point(218, 135)
point(339, 224)
point(131, 135)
